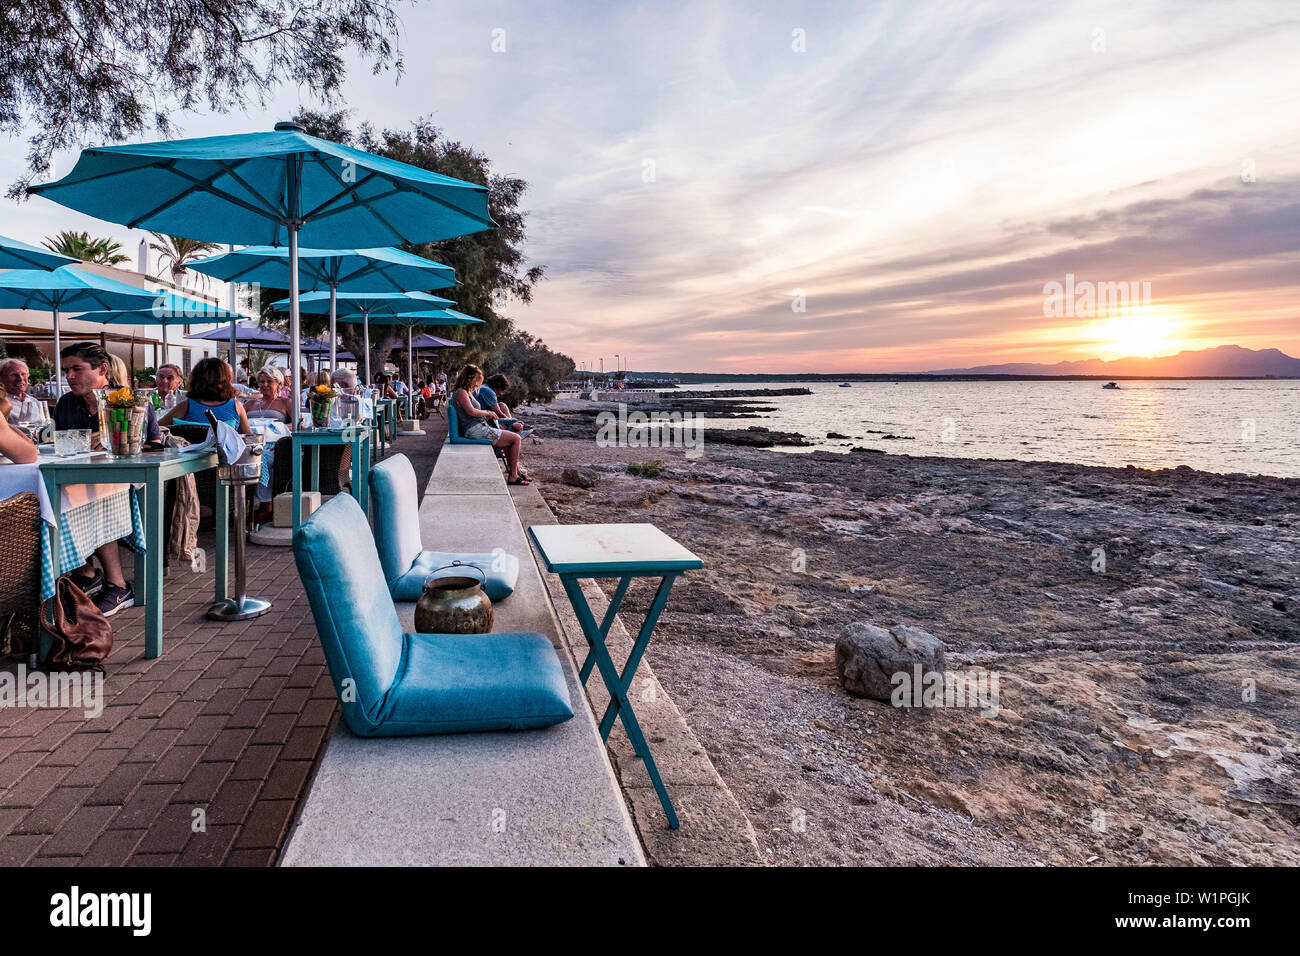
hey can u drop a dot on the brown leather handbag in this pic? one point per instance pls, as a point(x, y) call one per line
point(81, 634)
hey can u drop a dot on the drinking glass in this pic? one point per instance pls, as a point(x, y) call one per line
point(72, 441)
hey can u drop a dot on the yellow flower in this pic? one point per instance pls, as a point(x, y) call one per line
point(322, 389)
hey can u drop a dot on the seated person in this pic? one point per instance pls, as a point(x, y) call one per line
point(344, 380)
point(212, 388)
point(268, 403)
point(400, 390)
point(169, 381)
point(489, 395)
point(14, 445)
point(475, 422)
point(14, 376)
point(88, 367)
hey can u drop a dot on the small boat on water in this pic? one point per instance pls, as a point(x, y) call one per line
point(1110, 385)
point(845, 385)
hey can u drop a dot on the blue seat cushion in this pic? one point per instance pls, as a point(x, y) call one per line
point(453, 428)
point(500, 569)
point(455, 683)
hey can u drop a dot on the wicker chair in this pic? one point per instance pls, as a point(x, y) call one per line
point(20, 573)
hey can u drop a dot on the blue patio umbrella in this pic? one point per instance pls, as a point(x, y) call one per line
point(374, 270)
point(248, 333)
point(411, 320)
point(67, 290)
point(167, 309)
point(271, 188)
point(367, 305)
point(19, 255)
point(317, 347)
point(426, 341)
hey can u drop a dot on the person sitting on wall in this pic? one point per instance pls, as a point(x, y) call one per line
point(489, 395)
point(476, 422)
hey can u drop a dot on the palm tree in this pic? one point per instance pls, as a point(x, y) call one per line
point(178, 251)
point(80, 245)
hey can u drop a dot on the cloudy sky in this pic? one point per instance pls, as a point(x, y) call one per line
point(867, 186)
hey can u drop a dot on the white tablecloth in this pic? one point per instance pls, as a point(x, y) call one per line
point(16, 479)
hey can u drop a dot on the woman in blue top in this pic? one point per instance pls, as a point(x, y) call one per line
point(212, 388)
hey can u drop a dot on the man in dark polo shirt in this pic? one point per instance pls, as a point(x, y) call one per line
point(87, 366)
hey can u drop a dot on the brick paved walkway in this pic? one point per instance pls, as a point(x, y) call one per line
point(230, 720)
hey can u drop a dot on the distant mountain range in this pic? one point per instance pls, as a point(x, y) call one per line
point(1226, 361)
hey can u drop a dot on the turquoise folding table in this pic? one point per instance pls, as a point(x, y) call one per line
point(622, 551)
point(358, 436)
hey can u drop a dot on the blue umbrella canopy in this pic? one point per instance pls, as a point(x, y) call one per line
point(377, 270)
point(365, 306)
point(19, 255)
point(248, 333)
point(271, 189)
point(167, 309)
point(252, 187)
point(67, 290)
point(426, 341)
point(415, 319)
point(368, 303)
point(411, 320)
point(372, 270)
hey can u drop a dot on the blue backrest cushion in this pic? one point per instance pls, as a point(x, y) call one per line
point(355, 617)
point(453, 422)
point(396, 508)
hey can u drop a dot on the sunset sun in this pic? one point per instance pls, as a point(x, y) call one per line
point(1142, 332)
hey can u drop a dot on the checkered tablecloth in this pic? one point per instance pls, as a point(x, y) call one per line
point(83, 529)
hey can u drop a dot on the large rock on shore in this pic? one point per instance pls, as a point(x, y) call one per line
point(867, 656)
point(578, 477)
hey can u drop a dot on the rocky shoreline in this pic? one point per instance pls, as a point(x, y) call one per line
point(1143, 627)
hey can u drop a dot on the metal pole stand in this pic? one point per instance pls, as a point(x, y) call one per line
point(236, 477)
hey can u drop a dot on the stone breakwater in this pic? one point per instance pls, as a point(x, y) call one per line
point(1143, 626)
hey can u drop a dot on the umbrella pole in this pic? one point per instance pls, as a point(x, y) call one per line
point(366, 326)
point(165, 355)
point(234, 323)
point(294, 185)
point(410, 358)
point(334, 360)
point(58, 362)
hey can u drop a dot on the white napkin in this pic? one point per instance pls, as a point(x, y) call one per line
point(232, 443)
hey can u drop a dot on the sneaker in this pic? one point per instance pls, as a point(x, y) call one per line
point(90, 585)
point(115, 599)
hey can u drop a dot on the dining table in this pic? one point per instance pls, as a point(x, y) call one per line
point(75, 481)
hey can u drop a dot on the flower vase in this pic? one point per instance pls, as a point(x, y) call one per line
point(320, 413)
point(125, 430)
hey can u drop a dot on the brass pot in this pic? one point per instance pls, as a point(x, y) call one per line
point(454, 605)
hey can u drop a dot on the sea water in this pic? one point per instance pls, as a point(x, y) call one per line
point(1222, 426)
